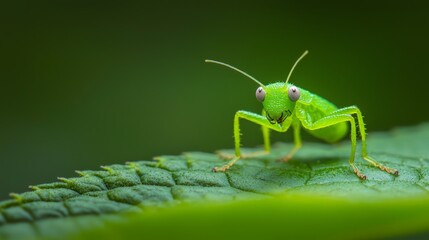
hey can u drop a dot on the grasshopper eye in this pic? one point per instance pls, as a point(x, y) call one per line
point(260, 94)
point(293, 93)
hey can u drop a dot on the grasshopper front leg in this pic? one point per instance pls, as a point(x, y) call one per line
point(258, 119)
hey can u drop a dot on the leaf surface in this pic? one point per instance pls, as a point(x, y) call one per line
point(318, 171)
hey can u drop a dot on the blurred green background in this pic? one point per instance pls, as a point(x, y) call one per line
point(85, 83)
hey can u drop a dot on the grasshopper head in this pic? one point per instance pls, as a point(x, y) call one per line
point(278, 100)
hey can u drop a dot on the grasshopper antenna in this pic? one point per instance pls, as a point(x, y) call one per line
point(296, 63)
point(236, 69)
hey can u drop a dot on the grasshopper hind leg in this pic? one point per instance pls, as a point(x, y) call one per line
point(335, 118)
point(345, 115)
point(361, 125)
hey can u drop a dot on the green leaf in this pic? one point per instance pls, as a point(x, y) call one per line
point(317, 189)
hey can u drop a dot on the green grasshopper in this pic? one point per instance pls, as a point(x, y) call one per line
point(285, 105)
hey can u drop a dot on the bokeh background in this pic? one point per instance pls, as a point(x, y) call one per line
point(86, 83)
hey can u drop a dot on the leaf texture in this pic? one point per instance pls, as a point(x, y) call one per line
point(316, 170)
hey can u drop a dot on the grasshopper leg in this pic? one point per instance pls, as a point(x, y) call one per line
point(258, 119)
point(345, 115)
point(226, 166)
point(229, 156)
point(333, 119)
point(296, 125)
point(361, 124)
